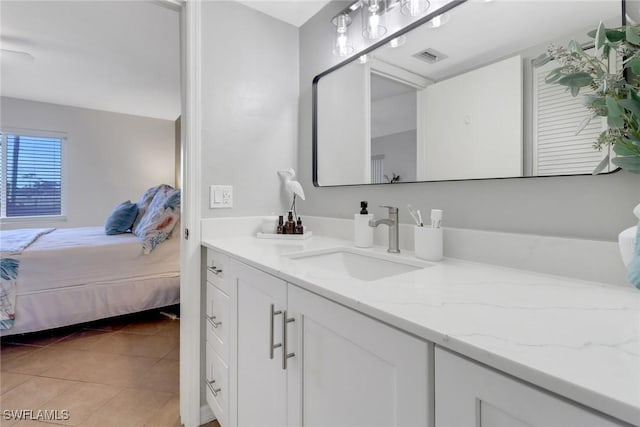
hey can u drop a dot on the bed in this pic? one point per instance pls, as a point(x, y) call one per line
point(76, 275)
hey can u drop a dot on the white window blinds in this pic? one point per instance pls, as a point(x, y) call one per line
point(557, 116)
point(31, 176)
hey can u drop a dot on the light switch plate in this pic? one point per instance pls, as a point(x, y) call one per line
point(220, 196)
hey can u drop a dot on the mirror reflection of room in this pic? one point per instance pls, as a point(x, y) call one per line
point(462, 100)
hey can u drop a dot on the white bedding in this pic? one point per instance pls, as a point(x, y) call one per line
point(78, 275)
point(79, 256)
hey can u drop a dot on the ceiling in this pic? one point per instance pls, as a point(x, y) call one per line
point(295, 12)
point(121, 56)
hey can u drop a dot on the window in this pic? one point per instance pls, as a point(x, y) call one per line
point(31, 176)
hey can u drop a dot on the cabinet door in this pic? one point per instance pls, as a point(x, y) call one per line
point(262, 383)
point(350, 370)
point(471, 395)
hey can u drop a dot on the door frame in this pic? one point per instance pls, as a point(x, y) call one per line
point(190, 258)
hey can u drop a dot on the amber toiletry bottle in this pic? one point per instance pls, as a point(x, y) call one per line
point(299, 227)
point(280, 228)
point(290, 226)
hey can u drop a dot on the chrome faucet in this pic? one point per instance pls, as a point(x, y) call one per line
point(392, 223)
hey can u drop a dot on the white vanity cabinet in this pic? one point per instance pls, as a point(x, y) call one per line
point(218, 327)
point(343, 369)
point(471, 395)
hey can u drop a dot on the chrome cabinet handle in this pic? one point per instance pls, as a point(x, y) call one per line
point(272, 345)
point(285, 355)
point(215, 270)
point(212, 320)
point(212, 388)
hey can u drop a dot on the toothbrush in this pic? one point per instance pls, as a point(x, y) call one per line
point(436, 218)
point(415, 214)
point(420, 218)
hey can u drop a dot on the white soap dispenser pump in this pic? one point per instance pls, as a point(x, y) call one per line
point(362, 232)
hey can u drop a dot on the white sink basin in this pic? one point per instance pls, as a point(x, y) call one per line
point(358, 264)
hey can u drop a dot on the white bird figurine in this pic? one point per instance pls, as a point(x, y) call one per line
point(292, 186)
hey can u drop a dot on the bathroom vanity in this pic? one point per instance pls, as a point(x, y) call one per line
point(444, 344)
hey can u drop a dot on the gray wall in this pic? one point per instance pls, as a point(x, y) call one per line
point(249, 106)
point(110, 157)
point(594, 207)
point(399, 150)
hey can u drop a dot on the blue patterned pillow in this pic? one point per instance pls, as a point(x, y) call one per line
point(159, 220)
point(146, 199)
point(121, 219)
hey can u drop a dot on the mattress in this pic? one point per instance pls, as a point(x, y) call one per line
point(69, 257)
point(77, 275)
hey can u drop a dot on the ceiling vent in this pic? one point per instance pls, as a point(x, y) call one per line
point(430, 56)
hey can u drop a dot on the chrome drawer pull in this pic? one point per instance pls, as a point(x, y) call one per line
point(213, 322)
point(273, 346)
point(285, 356)
point(213, 390)
point(215, 270)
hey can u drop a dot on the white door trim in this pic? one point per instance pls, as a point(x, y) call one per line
point(190, 352)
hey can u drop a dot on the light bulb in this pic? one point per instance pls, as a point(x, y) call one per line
point(439, 20)
point(373, 16)
point(414, 7)
point(398, 41)
point(363, 59)
point(341, 44)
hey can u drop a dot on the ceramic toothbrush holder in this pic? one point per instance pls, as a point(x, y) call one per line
point(428, 243)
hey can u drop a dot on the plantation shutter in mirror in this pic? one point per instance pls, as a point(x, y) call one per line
point(32, 175)
point(556, 118)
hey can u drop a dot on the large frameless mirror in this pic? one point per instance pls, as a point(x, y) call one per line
point(457, 97)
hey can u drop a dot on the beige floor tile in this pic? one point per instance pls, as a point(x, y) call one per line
point(167, 416)
point(34, 393)
point(81, 400)
point(36, 362)
point(10, 352)
point(163, 376)
point(147, 327)
point(41, 339)
point(173, 354)
point(136, 344)
point(130, 408)
point(170, 328)
point(100, 368)
point(84, 339)
point(9, 380)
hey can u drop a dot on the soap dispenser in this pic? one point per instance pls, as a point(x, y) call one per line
point(363, 233)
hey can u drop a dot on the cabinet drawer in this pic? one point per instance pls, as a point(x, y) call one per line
point(216, 265)
point(217, 321)
point(217, 385)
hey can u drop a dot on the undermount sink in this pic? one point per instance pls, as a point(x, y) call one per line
point(358, 264)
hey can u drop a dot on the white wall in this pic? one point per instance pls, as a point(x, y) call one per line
point(110, 157)
point(344, 154)
point(399, 150)
point(594, 207)
point(393, 114)
point(249, 106)
point(462, 140)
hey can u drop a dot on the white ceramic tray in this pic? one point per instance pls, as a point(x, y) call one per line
point(304, 236)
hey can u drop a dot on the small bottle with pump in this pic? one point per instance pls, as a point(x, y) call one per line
point(363, 233)
point(280, 228)
point(299, 227)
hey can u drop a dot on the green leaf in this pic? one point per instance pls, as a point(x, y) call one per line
point(622, 150)
point(632, 106)
point(574, 91)
point(579, 79)
point(601, 36)
point(632, 35)
point(584, 123)
point(614, 114)
point(634, 65)
point(541, 60)
point(603, 164)
point(628, 163)
point(633, 94)
point(615, 36)
point(574, 46)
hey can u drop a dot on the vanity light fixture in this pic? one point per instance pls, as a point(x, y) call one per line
point(398, 41)
point(439, 20)
point(414, 7)
point(342, 46)
point(373, 19)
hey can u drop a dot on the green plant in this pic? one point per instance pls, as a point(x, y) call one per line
point(615, 91)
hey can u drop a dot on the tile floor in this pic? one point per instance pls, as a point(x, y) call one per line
point(117, 372)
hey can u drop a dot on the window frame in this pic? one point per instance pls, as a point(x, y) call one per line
point(36, 133)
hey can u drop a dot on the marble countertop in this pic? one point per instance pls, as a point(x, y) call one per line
point(576, 338)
